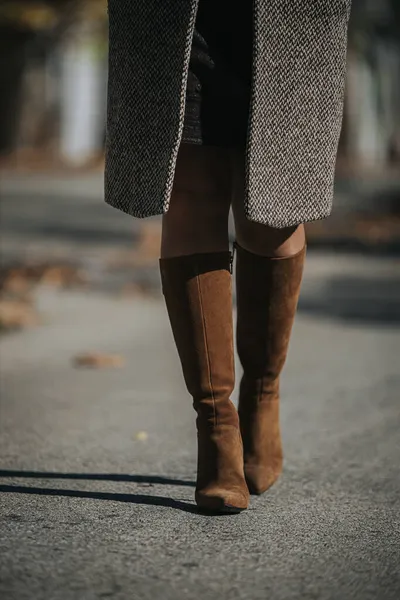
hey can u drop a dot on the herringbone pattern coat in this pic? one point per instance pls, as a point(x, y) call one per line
point(299, 58)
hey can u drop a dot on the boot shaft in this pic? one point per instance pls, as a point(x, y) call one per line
point(267, 296)
point(198, 296)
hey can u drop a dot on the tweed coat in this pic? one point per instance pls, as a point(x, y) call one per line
point(298, 76)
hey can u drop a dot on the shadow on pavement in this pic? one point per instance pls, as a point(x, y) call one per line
point(131, 498)
point(357, 299)
point(152, 479)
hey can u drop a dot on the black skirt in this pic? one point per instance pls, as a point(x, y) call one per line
point(219, 78)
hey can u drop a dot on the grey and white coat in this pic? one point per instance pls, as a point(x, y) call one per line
point(299, 60)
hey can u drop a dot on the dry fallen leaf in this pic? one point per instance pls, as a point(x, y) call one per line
point(15, 314)
point(132, 290)
point(15, 283)
point(97, 360)
point(62, 276)
point(21, 278)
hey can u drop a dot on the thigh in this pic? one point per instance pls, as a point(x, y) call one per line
point(202, 176)
point(197, 219)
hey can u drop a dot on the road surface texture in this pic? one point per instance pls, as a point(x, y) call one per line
point(98, 466)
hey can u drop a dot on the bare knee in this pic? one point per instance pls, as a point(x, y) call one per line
point(267, 241)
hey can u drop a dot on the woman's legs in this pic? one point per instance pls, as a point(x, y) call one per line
point(197, 220)
point(269, 270)
point(196, 280)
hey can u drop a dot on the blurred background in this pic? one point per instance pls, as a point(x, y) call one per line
point(53, 72)
point(80, 300)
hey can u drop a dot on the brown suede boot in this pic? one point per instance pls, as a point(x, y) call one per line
point(267, 294)
point(198, 295)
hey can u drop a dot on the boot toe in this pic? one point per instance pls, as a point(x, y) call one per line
point(259, 479)
point(222, 501)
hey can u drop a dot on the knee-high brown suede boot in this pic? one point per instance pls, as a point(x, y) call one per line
point(198, 296)
point(267, 294)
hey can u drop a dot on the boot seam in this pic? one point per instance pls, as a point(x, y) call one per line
point(203, 317)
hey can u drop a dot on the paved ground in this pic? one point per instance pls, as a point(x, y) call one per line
point(93, 508)
point(60, 216)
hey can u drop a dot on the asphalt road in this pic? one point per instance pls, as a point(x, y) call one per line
point(97, 467)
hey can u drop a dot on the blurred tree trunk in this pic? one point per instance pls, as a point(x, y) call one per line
point(13, 45)
point(82, 99)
